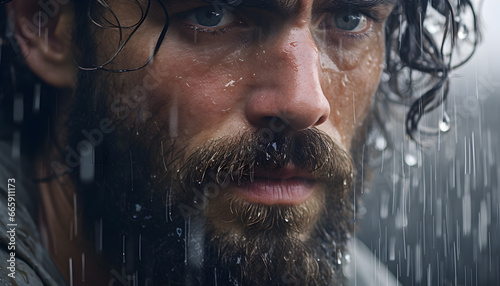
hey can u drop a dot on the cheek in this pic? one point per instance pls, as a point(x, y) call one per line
point(195, 95)
point(350, 90)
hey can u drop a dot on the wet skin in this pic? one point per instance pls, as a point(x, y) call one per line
point(221, 73)
point(228, 71)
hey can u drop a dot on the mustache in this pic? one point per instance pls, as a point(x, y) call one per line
point(238, 158)
point(271, 229)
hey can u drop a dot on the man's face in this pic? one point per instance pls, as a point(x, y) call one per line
point(242, 124)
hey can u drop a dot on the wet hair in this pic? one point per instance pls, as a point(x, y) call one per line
point(415, 56)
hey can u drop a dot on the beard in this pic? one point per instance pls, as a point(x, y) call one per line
point(162, 214)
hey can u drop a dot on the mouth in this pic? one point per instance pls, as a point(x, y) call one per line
point(287, 186)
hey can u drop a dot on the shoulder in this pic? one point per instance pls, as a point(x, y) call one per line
point(20, 241)
point(17, 272)
point(27, 260)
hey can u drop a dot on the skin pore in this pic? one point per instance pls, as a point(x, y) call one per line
point(220, 75)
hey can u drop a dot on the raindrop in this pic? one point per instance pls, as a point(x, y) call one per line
point(380, 143)
point(87, 165)
point(16, 145)
point(385, 77)
point(463, 32)
point(83, 267)
point(433, 27)
point(286, 220)
point(71, 271)
point(18, 108)
point(444, 124)
point(410, 160)
point(36, 99)
point(268, 156)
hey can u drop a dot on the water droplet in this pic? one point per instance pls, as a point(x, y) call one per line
point(433, 27)
point(380, 143)
point(385, 77)
point(179, 232)
point(286, 220)
point(410, 160)
point(463, 32)
point(345, 182)
point(444, 124)
point(268, 156)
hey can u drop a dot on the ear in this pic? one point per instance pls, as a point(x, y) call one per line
point(43, 32)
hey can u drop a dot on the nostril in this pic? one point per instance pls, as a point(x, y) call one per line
point(321, 120)
point(276, 124)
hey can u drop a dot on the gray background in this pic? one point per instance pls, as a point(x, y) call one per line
point(438, 222)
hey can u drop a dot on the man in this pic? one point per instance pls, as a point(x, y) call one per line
point(202, 142)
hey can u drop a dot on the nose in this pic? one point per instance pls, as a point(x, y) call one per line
point(288, 85)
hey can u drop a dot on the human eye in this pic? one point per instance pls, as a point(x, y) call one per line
point(351, 22)
point(210, 18)
point(347, 22)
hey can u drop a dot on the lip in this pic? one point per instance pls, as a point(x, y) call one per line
point(288, 186)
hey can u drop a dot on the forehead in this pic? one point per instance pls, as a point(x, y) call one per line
point(289, 6)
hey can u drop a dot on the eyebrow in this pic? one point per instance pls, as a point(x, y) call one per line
point(354, 3)
point(288, 7)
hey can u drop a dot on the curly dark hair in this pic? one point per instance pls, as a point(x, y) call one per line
point(414, 54)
